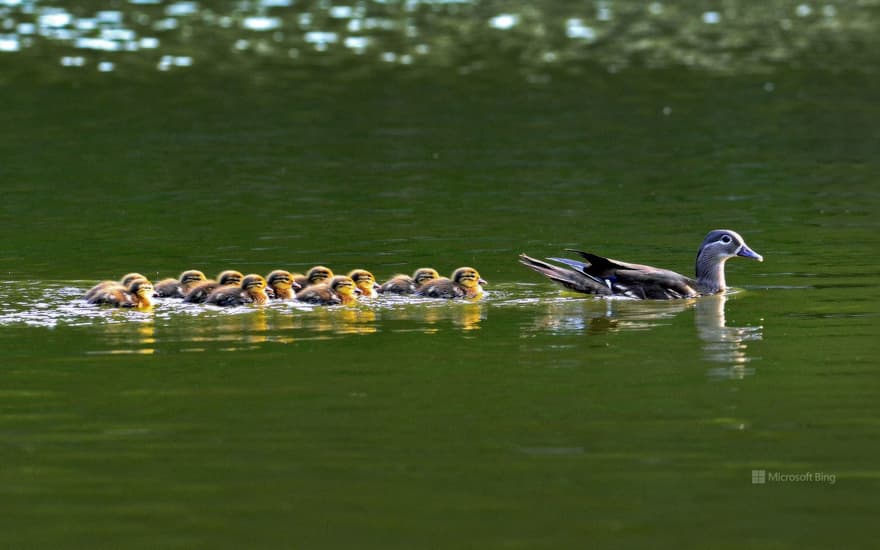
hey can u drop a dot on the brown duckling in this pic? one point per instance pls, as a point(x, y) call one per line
point(178, 288)
point(340, 290)
point(199, 293)
point(404, 284)
point(137, 295)
point(465, 283)
point(365, 282)
point(282, 285)
point(317, 274)
point(104, 285)
point(251, 291)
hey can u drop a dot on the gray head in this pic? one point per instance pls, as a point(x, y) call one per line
point(719, 246)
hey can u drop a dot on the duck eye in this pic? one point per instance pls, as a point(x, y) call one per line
point(726, 239)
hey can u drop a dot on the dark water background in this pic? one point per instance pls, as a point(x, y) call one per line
point(531, 419)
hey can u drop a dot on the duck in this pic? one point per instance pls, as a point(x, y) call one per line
point(137, 295)
point(607, 277)
point(315, 275)
point(282, 285)
point(200, 292)
point(178, 288)
point(404, 284)
point(104, 285)
point(252, 290)
point(365, 282)
point(464, 283)
point(339, 290)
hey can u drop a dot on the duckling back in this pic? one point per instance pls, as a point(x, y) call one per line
point(399, 284)
point(320, 294)
point(251, 291)
point(137, 295)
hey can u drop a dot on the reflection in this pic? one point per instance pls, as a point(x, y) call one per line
point(343, 320)
point(126, 337)
point(429, 318)
point(600, 316)
point(721, 343)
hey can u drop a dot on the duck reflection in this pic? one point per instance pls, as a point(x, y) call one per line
point(721, 343)
point(429, 318)
point(130, 338)
point(728, 345)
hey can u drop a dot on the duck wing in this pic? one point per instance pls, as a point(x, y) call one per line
point(578, 281)
point(636, 280)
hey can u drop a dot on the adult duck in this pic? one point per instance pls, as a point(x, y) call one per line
point(607, 277)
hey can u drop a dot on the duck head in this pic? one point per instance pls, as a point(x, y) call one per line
point(345, 288)
point(282, 283)
point(469, 279)
point(191, 278)
point(143, 289)
point(129, 277)
point(255, 286)
point(319, 274)
point(230, 277)
point(365, 282)
point(719, 246)
point(424, 274)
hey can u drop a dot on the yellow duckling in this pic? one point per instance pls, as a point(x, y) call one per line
point(178, 288)
point(104, 285)
point(404, 284)
point(317, 274)
point(465, 283)
point(365, 282)
point(282, 285)
point(340, 290)
point(138, 294)
point(199, 293)
point(251, 291)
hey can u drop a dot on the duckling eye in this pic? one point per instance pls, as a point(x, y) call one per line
point(726, 239)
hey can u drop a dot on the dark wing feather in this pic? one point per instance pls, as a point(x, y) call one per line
point(574, 280)
point(639, 281)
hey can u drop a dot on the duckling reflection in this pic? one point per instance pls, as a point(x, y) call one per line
point(241, 330)
point(723, 344)
point(129, 338)
point(343, 321)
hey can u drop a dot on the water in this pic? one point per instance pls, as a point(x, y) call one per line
point(532, 418)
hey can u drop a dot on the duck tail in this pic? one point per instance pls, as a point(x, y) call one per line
point(579, 282)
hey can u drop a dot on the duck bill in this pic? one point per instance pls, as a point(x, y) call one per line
point(747, 252)
point(482, 282)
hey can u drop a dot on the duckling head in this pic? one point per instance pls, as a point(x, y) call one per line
point(365, 282)
point(319, 274)
point(469, 279)
point(282, 282)
point(230, 277)
point(191, 278)
point(129, 277)
point(345, 288)
point(255, 286)
point(424, 274)
point(143, 289)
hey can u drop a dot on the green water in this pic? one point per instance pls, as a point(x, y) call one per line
point(531, 419)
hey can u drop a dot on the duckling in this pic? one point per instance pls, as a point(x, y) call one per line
point(465, 283)
point(340, 290)
point(104, 285)
point(365, 282)
point(137, 295)
point(178, 288)
point(404, 284)
point(199, 293)
point(251, 291)
point(317, 274)
point(281, 284)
